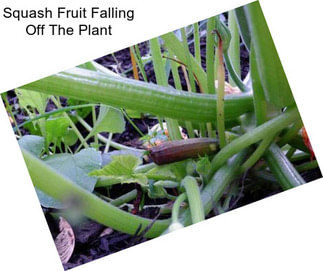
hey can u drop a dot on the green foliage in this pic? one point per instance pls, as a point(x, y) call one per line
point(110, 120)
point(120, 170)
point(203, 184)
point(32, 99)
point(223, 31)
point(243, 26)
point(32, 143)
point(33, 102)
point(161, 173)
point(70, 138)
point(75, 167)
point(120, 165)
point(82, 112)
point(203, 166)
point(56, 129)
point(274, 82)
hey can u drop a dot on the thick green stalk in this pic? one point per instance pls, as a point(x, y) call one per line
point(214, 190)
point(188, 57)
point(234, 48)
point(233, 74)
point(260, 102)
point(271, 73)
point(257, 154)
point(197, 48)
point(267, 129)
point(178, 86)
point(172, 125)
point(220, 101)
point(210, 56)
point(61, 188)
point(282, 168)
point(124, 198)
point(307, 166)
point(172, 42)
point(95, 87)
point(177, 206)
point(194, 199)
point(291, 132)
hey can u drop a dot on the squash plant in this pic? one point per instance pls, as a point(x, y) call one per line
point(253, 132)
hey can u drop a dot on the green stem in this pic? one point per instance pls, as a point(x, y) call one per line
point(194, 199)
point(291, 132)
point(178, 86)
point(177, 207)
point(145, 168)
point(300, 157)
point(172, 125)
point(95, 87)
point(210, 56)
point(96, 140)
point(104, 139)
point(265, 143)
point(76, 131)
point(290, 152)
point(136, 53)
point(172, 43)
point(269, 128)
point(307, 166)
point(220, 100)
point(197, 48)
point(188, 57)
point(124, 198)
point(234, 48)
point(214, 190)
point(61, 188)
point(107, 146)
point(57, 111)
point(233, 74)
point(132, 123)
point(284, 171)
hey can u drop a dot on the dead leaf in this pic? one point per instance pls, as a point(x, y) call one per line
point(228, 89)
point(65, 241)
point(106, 231)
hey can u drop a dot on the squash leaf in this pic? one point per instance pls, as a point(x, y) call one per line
point(110, 120)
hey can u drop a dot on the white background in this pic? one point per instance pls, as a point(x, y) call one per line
point(283, 232)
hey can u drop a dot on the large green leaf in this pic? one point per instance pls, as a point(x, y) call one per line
point(107, 157)
point(33, 144)
point(75, 167)
point(110, 120)
point(121, 169)
point(120, 165)
point(29, 98)
point(276, 88)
